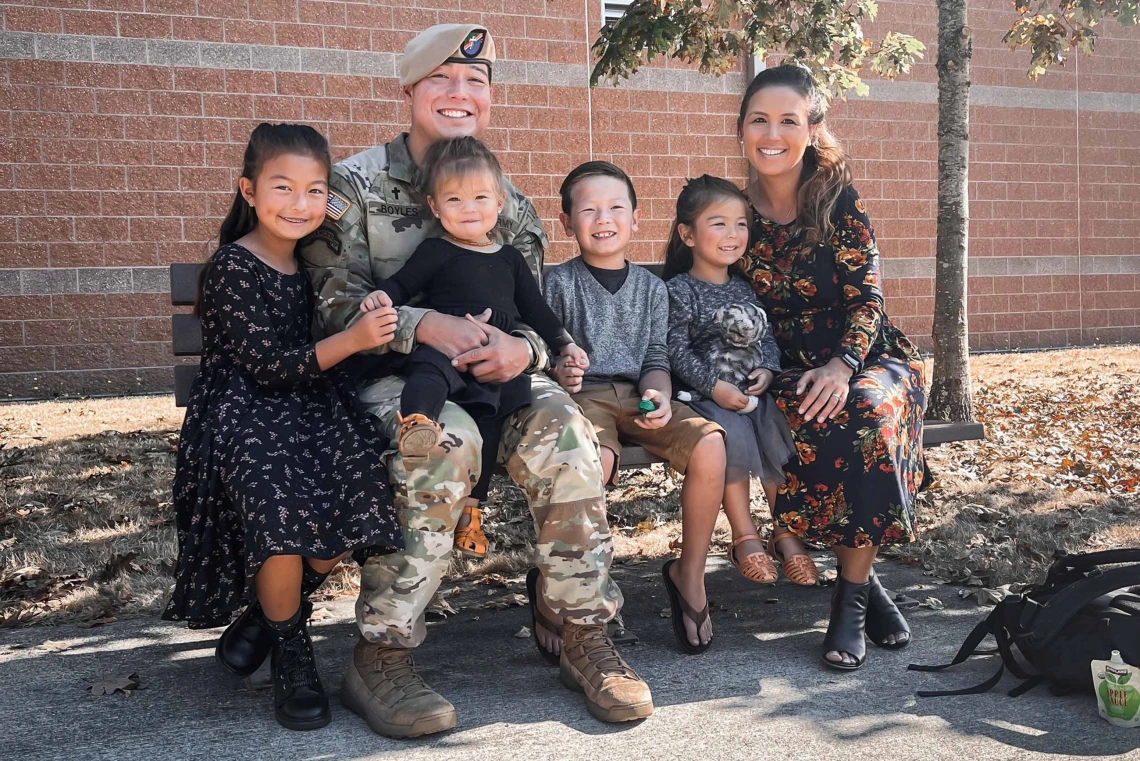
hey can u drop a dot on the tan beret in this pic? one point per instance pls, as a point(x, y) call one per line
point(443, 43)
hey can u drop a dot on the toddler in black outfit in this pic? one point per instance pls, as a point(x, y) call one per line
point(462, 274)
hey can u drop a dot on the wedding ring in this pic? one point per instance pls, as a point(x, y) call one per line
point(836, 396)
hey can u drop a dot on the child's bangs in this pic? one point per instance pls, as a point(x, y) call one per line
point(465, 167)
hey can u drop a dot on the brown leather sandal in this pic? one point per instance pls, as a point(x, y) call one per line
point(756, 567)
point(470, 539)
point(418, 434)
point(800, 568)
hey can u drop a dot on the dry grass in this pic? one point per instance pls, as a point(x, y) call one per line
point(1059, 470)
point(86, 523)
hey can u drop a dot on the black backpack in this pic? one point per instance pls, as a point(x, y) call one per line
point(1082, 612)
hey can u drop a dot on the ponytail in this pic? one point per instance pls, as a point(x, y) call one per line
point(267, 141)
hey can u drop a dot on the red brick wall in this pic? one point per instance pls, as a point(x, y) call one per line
point(125, 121)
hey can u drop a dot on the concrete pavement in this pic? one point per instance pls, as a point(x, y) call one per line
point(759, 693)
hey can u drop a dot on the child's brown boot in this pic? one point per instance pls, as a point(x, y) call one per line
point(418, 434)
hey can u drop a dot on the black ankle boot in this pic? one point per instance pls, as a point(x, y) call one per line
point(299, 700)
point(246, 642)
point(845, 630)
point(884, 617)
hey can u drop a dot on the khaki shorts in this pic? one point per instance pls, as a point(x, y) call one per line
point(612, 408)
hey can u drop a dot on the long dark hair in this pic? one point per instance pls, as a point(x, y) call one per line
point(697, 195)
point(825, 172)
point(266, 142)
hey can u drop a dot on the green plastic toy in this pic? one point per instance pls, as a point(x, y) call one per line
point(645, 406)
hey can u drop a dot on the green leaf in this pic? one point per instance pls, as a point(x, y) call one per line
point(1124, 679)
point(826, 36)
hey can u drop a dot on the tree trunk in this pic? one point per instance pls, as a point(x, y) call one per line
point(950, 397)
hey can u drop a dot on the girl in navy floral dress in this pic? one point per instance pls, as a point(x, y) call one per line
point(853, 389)
point(279, 476)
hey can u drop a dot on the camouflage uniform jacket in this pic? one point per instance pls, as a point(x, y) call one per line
point(377, 218)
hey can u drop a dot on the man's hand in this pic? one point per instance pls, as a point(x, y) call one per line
point(729, 397)
point(375, 300)
point(761, 379)
point(452, 336)
point(502, 357)
point(568, 375)
point(660, 416)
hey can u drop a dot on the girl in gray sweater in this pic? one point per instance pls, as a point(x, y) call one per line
point(720, 347)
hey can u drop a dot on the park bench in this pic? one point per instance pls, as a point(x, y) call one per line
point(186, 332)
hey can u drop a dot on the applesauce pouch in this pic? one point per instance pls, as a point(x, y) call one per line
point(1116, 685)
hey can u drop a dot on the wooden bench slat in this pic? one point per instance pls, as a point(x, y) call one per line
point(186, 335)
point(936, 432)
point(183, 379)
point(184, 283)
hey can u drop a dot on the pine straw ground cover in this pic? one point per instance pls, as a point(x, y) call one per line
point(86, 523)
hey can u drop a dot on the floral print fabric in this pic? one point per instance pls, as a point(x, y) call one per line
point(855, 478)
point(274, 457)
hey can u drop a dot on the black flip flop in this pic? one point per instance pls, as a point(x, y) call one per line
point(680, 607)
point(536, 618)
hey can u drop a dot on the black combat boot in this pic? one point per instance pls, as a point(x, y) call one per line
point(246, 642)
point(299, 700)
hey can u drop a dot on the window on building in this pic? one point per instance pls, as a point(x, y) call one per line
point(612, 10)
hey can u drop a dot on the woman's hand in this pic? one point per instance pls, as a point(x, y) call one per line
point(729, 396)
point(829, 387)
point(761, 379)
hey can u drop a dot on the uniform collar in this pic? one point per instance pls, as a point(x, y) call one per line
point(400, 164)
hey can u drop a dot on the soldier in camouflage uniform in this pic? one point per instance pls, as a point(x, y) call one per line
point(376, 219)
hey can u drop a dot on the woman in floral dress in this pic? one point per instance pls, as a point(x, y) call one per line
point(853, 389)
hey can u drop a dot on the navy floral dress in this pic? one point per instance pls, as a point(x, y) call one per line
point(275, 458)
point(856, 477)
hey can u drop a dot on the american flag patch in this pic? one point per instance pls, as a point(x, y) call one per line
point(336, 205)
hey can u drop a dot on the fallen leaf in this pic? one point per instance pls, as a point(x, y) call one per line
point(321, 614)
point(93, 622)
point(933, 603)
point(666, 613)
point(54, 646)
point(124, 684)
point(522, 633)
point(513, 600)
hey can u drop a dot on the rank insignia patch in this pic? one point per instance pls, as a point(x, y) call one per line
point(336, 205)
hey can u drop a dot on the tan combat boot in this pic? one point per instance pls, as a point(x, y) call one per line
point(590, 664)
point(383, 688)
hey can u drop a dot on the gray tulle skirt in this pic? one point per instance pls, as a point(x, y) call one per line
point(757, 443)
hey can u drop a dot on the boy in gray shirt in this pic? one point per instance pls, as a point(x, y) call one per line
point(619, 314)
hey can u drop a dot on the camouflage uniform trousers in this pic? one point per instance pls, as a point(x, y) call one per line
point(551, 452)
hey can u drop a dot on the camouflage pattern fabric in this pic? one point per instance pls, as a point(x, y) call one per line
point(376, 218)
point(551, 452)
